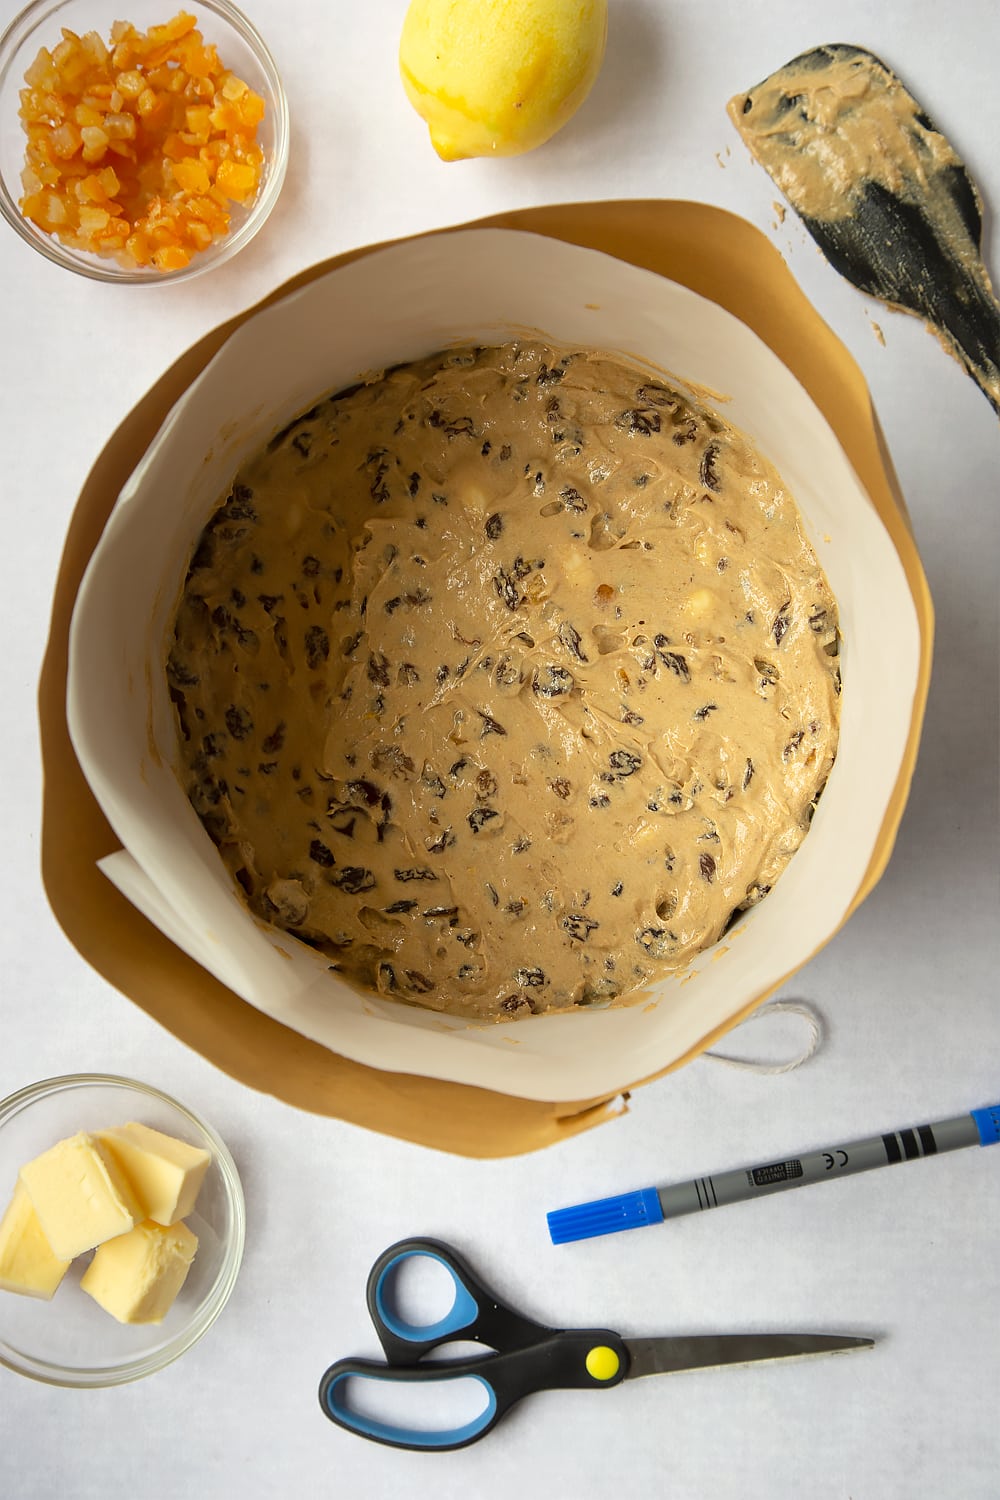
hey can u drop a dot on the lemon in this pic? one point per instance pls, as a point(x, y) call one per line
point(499, 77)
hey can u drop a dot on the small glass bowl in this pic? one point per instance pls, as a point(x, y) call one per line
point(242, 51)
point(70, 1340)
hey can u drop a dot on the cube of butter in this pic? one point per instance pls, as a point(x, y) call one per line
point(137, 1276)
point(80, 1194)
point(166, 1174)
point(28, 1263)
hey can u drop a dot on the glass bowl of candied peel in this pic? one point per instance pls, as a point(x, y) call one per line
point(142, 150)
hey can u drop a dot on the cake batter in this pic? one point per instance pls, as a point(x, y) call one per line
point(505, 679)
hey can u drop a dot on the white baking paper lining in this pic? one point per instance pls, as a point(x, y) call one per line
point(399, 304)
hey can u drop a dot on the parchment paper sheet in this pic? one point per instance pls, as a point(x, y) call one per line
point(399, 304)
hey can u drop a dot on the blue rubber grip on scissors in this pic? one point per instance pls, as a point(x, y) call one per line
point(461, 1315)
point(475, 1315)
point(333, 1399)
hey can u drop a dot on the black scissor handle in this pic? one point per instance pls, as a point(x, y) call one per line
point(558, 1360)
point(339, 1386)
point(476, 1314)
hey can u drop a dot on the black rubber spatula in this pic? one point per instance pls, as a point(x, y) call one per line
point(881, 191)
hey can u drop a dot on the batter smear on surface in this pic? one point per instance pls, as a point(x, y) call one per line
point(505, 679)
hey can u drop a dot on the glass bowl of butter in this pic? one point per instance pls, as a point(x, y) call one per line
point(122, 1225)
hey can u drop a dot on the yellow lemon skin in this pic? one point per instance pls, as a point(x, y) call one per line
point(499, 77)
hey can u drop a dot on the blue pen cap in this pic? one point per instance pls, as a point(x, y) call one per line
point(988, 1124)
point(584, 1221)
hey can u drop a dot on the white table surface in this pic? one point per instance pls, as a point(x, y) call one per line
point(908, 989)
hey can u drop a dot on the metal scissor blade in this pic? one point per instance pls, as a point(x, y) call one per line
point(664, 1356)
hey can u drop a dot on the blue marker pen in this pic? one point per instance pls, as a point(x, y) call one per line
point(652, 1205)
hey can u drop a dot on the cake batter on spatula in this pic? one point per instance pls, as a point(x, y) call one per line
point(881, 191)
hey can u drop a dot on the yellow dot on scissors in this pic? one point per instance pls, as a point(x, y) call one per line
point(602, 1363)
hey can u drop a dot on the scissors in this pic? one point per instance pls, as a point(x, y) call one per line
point(524, 1356)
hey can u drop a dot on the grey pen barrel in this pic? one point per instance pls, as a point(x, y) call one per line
point(744, 1183)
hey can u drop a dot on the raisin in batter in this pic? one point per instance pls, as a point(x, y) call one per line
point(505, 678)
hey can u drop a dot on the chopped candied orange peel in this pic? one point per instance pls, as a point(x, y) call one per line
point(138, 147)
